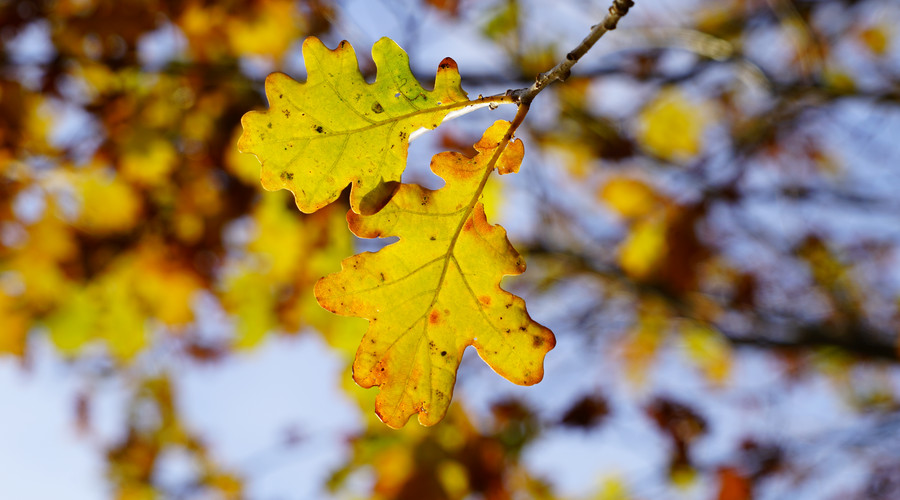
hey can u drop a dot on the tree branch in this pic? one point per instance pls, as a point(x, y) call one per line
point(562, 70)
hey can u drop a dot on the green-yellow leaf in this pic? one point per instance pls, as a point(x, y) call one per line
point(336, 129)
point(437, 290)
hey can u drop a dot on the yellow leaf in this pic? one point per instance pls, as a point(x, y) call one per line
point(839, 80)
point(454, 478)
point(242, 166)
point(51, 238)
point(72, 324)
point(249, 296)
point(121, 320)
point(335, 129)
point(280, 238)
point(876, 38)
point(108, 204)
point(165, 286)
point(393, 468)
point(37, 262)
point(612, 488)
point(13, 326)
point(643, 251)
point(671, 127)
point(149, 164)
point(640, 346)
point(436, 291)
point(708, 350)
point(631, 198)
point(45, 283)
point(269, 31)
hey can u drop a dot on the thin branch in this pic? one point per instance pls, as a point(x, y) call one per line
point(561, 71)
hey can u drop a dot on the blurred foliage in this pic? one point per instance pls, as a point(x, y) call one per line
point(705, 184)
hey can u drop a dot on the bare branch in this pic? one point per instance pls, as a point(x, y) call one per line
point(562, 70)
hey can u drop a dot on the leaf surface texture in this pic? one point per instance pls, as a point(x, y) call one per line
point(336, 129)
point(437, 290)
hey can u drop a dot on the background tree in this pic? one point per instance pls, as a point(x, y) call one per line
point(707, 207)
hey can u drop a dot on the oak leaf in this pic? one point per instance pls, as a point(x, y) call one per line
point(436, 291)
point(672, 127)
point(336, 129)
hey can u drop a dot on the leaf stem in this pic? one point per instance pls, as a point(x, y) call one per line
point(476, 195)
point(561, 71)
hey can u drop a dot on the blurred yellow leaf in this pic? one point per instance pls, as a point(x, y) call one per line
point(249, 296)
point(268, 29)
point(13, 326)
point(393, 467)
point(454, 478)
point(708, 349)
point(612, 488)
point(36, 263)
point(631, 198)
point(115, 306)
point(279, 238)
point(108, 203)
point(640, 345)
point(644, 249)
point(671, 127)
point(165, 286)
point(877, 39)
point(839, 80)
point(45, 283)
point(149, 164)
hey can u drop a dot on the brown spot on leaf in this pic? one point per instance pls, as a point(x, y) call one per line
point(377, 107)
point(319, 129)
point(484, 299)
point(286, 176)
point(287, 113)
point(443, 353)
point(537, 341)
point(469, 225)
point(434, 318)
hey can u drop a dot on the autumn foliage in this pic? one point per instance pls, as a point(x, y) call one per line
point(706, 206)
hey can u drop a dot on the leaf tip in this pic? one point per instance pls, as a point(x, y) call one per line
point(386, 53)
point(511, 158)
point(448, 64)
point(312, 43)
point(492, 136)
point(448, 82)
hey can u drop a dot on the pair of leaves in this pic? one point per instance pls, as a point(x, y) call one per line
point(436, 291)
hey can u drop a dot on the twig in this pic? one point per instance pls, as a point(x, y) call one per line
point(561, 71)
